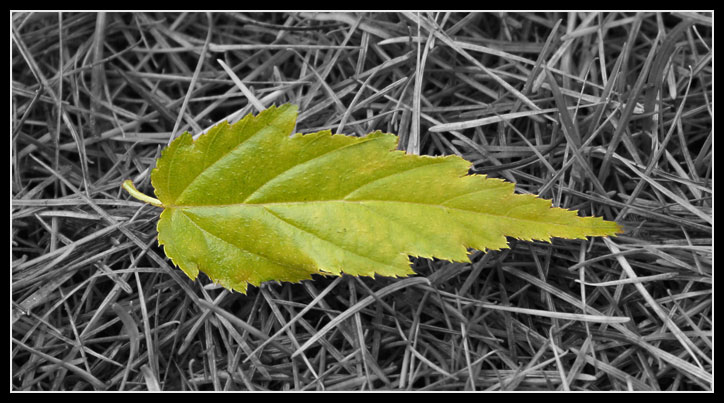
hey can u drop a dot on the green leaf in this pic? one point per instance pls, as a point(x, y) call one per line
point(248, 203)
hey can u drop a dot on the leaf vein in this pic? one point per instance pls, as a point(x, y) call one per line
point(443, 202)
point(253, 269)
point(328, 241)
point(223, 156)
point(387, 176)
point(302, 164)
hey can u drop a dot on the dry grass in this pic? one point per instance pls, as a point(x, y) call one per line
point(607, 113)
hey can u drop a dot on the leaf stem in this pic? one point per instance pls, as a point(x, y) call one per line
point(130, 188)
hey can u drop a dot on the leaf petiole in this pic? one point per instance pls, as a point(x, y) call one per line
point(130, 188)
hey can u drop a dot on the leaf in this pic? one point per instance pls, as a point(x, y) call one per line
point(248, 203)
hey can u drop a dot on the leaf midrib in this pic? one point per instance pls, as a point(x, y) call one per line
point(262, 205)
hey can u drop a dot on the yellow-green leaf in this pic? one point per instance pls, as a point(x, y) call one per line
point(248, 203)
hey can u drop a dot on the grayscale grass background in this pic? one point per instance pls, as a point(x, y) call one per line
point(607, 113)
